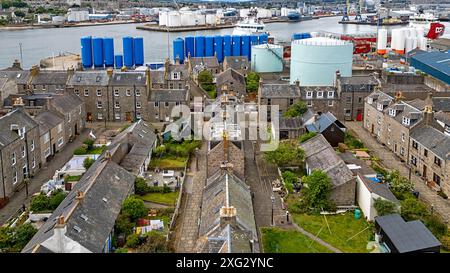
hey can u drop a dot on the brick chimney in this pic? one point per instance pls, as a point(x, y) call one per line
point(34, 70)
point(17, 64)
point(166, 69)
point(428, 114)
point(18, 103)
point(109, 72)
point(398, 96)
point(80, 195)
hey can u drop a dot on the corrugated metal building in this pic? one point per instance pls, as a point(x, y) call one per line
point(436, 64)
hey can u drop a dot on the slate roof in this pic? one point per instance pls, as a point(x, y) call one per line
point(157, 76)
point(287, 123)
point(20, 77)
point(319, 155)
point(93, 78)
point(209, 62)
point(441, 104)
point(48, 120)
point(380, 97)
point(105, 185)
point(403, 109)
point(323, 122)
point(273, 90)
point(50, 78)
point(141, 136)
point(432, 139)
point(168, 95)
point(66, 101)
point(17, 117)
point(129, 78)
point(443, 117)
point(237, 62)
point(230, 75)
point(359, 80)
point(226, 190)
point(407, 236)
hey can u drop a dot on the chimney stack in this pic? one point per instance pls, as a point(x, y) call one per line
point(80, 195)
point(228, 216)
point(18, 103)
point(428, 113)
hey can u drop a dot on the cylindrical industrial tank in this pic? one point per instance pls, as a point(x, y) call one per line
point(98, 51)
point(263, 38)
point(138, 44)
point(200, 46)
point(314, 61)
point(382, 41)
point(118, 60)
point(254, 39)
point(420, 32)
point(178, 49)
point(423, 43)
point(227, 46)
point(108, 51)
point(209, 46)
point(218, 48)
point(86, 51)
point(236, 45)
point(128, 55)
point(297, 36)
point(245, 49)
point(398, 40)
point(189, 46)
point(267, 58)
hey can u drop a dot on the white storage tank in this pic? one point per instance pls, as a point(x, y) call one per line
point(163, 18)
point(267, 58)
point(398, 40)
point(174, 19)
point(382, 41)
point(187, 19)
point(314, 61)
point(211, 19)
point(200, 19)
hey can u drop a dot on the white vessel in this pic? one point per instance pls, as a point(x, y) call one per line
point(248, 26)
point(423, 20)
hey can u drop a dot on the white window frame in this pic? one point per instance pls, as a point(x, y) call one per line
point(23, 150)
point(330, 94)
point(403, 136)
point(309, 94)
point(138, 104)
point(100, 115)
point(138, 93)
point(60, 141)
point(46, 138)
point(128, 93)
point(32, 145)
point(14, 177)
point(116, 93)
point(392, 112)
point(406, 121)
point(99, 93)
point(77, 92)
point(33, 163)
point(117, 116)
point(60, 128)
point(86, 92)
point(320, 94)
point(99, 104)
point(117, 104)
point(330, 103)
point(13, 159)
point(47, 152)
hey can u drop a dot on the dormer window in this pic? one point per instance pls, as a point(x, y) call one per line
point(406, 121)
point(21, 132)
point(380, 107)
point(392, 112)
point(176, 75)
point(309, 94)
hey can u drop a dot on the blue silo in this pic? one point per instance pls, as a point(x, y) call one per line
point(189, 46)
point(209, 46)
point(297, 36)
point(245, 49)
point(178, 49)
point(86, 51)
point(218, 47)
point(128, 55)
point(236, 44)
point(108, 51)
point(138, 51)
point(263, 38)
point(118, 60)
point(97, 44)
point(200, 46)
point(254, 39)
point(227, 46)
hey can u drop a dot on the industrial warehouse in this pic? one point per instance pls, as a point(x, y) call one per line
point(231, 129)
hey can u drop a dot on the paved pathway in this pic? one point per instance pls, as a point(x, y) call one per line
point(19, 198)
point(190, 210)
point(390, 161)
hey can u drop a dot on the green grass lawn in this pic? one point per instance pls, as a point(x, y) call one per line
point(277, 240)
point(72, 178)
point(96, 150)
point(342, 227)
point(168, 163)
point(162, 198)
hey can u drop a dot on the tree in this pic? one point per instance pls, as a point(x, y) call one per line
point(384, 207)
point(55, 199)
point(205, 79)
point(296, 110)
point(318, 190)
point(155, 242)
point(399, 184)
point(140, 186)
point(307, 136)
point(39, 203)
point(87, 163)
point(252, 82)
point(132, 240)
point(19, 13)
point(123, 225)
point(287, 153)
point(134, 208)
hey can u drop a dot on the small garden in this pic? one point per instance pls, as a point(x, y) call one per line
point(46, 204)
point(276, 240)
point(206, 82)
point(252, 82)
point(160, 195)
point(296, 110)
point(14, 239)
point(352, 142)
point(134, 216)
point(89, 148)
point(173, 154)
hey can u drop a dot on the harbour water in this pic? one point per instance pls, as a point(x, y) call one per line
point(41, 43)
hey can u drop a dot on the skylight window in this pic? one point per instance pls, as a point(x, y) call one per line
point(77, 229)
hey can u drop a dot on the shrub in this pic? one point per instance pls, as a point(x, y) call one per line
point(87, 162)
point(89, 143)
point(140, 186)
point(445, 240)
point(317, 194)
point(399, 185)
point(435, 225)
point(166, 189)
point(55, 199)
point(155, 242)
point(413, 209)
point(121, 250)
point(384, 207)
point(123, 225)
point(23, 235)
point(134, 208)
point(287, 154)
point(132, 240)
point(296, 110)
point(39, 203)
point(80, 151)
point(307, 136)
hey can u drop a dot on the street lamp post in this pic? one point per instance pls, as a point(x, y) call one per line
point(196, 158)
point(273, 202)
point(254, 150)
